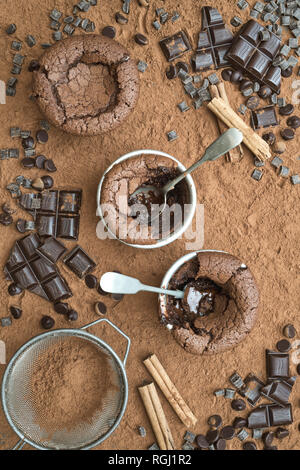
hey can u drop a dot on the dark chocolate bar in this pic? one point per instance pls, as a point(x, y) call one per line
point(56, 213)
point(175, 46)
point(255, 57)
point(214, 42)
point(264, 117)
point(79, 262)
point(33, 272)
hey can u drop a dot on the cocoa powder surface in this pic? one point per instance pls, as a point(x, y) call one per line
point(69, 384)
point(257, 222)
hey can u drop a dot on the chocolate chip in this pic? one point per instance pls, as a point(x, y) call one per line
point(283, 346)
point(117, 297)
point(215, 421)
point(286, 110)
point(265, 92)
point(253, 102)
point(249, 446)
point(227, 433)
point(100, 308)
point(141, 39)
point(171, 72)
point(212, 436)
point(48, 181)
point(47, 322)
point(39, 161)
point(42, 136)
point(238, 405)
point(294, 122)
point(287, 72)
point(6, 219)
point(33, 66)
point(50, 166)
point(268, 438)
point(182, 66)
point(236, 76)
point(16, 312)
point(11, 29)
point(14, 289)
point(91, 281)
point(289, 331)
point(121, 19)
point(220, 444)
point(227, 74)
point(28, 162)
point(109, 31)
point(239, 423)
point(269, 137)
point(72, 315)
point(202, 442)
point(62, 308)
point(287, 134)
point(101, 291)
point(28, 143)
point(245, 85)
point(282, 433)
point(21, 225)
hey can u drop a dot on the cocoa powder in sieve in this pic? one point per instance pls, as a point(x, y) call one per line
point(69, 384)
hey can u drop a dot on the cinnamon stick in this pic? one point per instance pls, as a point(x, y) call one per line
point(170, 391)
point(157, 417)
point(237, 153)
point(252, 140)
point(222, 127)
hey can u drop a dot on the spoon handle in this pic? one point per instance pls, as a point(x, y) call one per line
point(226, 142)
point(174, 293)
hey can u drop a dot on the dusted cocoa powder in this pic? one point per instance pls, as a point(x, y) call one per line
point(69, 384)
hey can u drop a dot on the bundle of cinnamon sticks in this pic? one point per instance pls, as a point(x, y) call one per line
point(153, 406)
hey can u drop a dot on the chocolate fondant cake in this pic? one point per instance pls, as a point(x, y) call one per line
point(86, 84)
point(220, 305)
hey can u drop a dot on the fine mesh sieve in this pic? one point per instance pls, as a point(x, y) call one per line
point(18, 399)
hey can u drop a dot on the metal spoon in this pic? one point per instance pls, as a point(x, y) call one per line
point(116, 283)
point(226, 142)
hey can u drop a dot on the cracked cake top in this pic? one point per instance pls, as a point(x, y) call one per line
point(86, 85)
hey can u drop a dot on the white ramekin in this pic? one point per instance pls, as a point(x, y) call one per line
point(192, 200)
point(162, 298)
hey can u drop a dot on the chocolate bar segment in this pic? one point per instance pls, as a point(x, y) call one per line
point(278, 365)
point(175, 46)
point(280, 415)
point(278, 392)
point(52, 249)
point(79, 262)
point(56, 213)
point(214, 41)
point(34, 271)
point(255, 56)
point(264, 117)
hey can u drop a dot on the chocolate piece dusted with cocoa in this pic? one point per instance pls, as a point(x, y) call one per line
point(255, 56)
point(86, 84)
point(175, 46)
point(214, 41)
point(56, 213)
point(28, 270)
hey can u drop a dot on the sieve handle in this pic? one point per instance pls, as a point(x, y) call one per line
point(19, 446)
point(117, 329)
